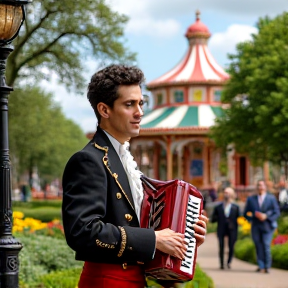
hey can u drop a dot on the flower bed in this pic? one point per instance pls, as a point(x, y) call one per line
point(47, 262)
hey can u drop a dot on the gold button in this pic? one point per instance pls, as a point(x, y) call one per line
point(128, 217)
point(140, 263)
point(118, 195)
point(124, 265)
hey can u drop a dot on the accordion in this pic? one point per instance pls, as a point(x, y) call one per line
point(176, 205)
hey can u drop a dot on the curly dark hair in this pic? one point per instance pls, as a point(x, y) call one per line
point(104, 84)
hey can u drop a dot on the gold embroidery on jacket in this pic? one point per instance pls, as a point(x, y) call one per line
point(114, 175)
point(123, 242)
point(104, 245)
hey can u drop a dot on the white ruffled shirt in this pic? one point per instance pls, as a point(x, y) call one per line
point(132, 173)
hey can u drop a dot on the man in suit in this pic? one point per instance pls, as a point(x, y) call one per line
point(226, 214)
point(262, 211)
point(102, 191)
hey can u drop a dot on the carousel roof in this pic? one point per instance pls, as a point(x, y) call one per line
point(182, 117)
point(198, 65)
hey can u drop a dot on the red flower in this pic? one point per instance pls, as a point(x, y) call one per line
point(280, 239)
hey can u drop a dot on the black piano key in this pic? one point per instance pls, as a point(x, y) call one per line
point(185, 265)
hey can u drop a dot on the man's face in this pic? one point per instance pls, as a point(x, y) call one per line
point(125, 116)
point(228, 193)
point(261, 187)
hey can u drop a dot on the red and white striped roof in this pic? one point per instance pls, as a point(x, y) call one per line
point(198, 65)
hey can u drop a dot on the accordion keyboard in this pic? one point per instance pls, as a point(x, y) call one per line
point(192, 216)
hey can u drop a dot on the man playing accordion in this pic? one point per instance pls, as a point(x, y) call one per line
point(103, 193)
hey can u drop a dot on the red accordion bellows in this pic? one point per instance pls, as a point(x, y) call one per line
point(176, 205)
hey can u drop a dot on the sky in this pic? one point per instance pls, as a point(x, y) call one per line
point(156, 32)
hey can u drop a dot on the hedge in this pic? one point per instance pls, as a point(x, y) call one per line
point(245, 250)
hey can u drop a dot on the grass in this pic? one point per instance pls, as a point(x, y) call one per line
point(42, 210)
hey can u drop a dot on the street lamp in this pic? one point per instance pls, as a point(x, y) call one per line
point(12, 15)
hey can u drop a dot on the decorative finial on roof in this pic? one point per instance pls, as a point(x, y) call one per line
point(198, 15)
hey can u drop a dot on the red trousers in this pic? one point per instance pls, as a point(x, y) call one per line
point(102, 275)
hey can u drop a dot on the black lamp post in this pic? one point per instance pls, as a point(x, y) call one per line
point(12, 15)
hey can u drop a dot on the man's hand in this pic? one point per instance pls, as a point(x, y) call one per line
point(261, 216)
point(171, 243)
point(174, 244)
point(200, 229)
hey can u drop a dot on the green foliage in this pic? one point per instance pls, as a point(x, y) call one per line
point(256, 121)
point(245, 250)
point(40, 135)
point(200, 280)
point(59, 279)
point(44, 214)
point(45, 211)
point(41, 255)
point(59, 35)
point(280, 256)
point(283, 224)
point(37, 204)
point(211, 227)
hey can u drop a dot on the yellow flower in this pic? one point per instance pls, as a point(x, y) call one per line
point(18, 215)
point(241, 220)
point(56, 221)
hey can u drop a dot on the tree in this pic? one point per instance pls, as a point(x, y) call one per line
point(42, 137)
point(59, 35)
point(256, 121)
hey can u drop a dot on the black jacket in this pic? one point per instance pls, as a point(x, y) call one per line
point(219, 217)
point(99, 219)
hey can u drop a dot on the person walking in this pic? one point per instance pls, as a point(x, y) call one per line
point(103, 193)
point(262, 210)
point(226, 214)
point(283, 197)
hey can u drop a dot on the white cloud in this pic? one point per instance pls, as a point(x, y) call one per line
point(158, 18)
point(225, 42)
point(153, 27)
point(165, 9)
point(142, 22)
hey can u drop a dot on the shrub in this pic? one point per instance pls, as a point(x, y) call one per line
point(283, 224)
point(280, 256)
point(41, 255)
point(211, 227)
point(42, 210)
point(245, 250)
point(200, 280)
point(59, 279)
point(38, 204)
point(44, 214)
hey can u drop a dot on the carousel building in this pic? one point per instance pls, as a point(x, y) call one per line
point(173, 141)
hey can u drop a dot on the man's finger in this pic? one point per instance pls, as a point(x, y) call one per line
point(200, 230)
point(204, 218)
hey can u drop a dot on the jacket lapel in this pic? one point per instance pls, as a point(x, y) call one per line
point(114, 164)
point(232, 210)
point(256, 203)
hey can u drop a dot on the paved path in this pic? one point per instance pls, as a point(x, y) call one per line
point(241, 274)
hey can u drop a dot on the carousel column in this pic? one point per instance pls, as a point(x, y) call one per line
point(156, 159)
point(179, 161)
point(169, 159)
point(206, 164)
point(266, 171)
